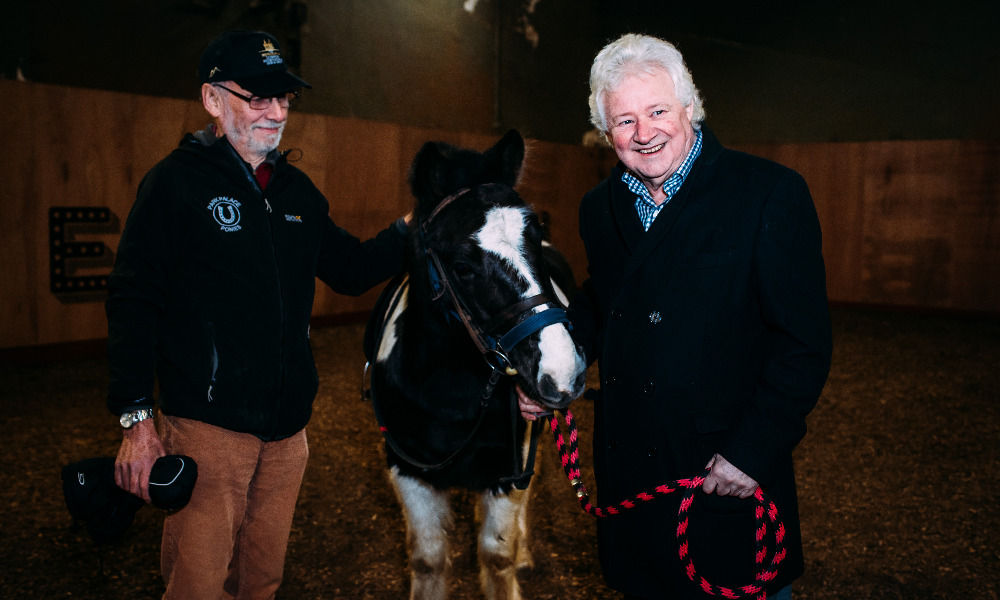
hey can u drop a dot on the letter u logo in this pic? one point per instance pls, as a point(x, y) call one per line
point(226, 214)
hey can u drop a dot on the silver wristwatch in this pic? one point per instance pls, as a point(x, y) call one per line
point(131, 418)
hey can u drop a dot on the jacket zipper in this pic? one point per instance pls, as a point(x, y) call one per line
point(281, 315)
point(214, 360)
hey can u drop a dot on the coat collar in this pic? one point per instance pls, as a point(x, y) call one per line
point(640, 243)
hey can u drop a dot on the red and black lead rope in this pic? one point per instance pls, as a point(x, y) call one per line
point(766, 512)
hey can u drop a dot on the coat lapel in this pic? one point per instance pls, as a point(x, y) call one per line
point(623, 208)
point(660, 229)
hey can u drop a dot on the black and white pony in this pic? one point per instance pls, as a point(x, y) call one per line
point(475, 314)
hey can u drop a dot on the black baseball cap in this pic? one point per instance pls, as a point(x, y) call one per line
point(93, 496)
point(250, 58)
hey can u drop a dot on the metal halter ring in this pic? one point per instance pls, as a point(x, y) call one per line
point(504, 362)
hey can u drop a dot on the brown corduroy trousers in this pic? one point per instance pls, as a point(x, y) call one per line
point(230, 540)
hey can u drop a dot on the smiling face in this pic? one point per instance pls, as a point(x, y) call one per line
point(649, 128)
point(253, 133)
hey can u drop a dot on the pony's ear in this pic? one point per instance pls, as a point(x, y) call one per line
point(502, 162)
point(426, 176)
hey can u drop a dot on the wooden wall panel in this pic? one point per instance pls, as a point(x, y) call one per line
point(910, 224)
point(932, 230)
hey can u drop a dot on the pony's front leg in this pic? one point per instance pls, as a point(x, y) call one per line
point(501, 544)
point(524, 560)
point(428, 522)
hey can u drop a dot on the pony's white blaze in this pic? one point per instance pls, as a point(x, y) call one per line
point(559, 356)
point(503, 235)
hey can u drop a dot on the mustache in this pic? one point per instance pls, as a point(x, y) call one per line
point(268, 125)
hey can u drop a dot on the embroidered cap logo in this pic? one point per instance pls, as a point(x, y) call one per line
point(270, 54)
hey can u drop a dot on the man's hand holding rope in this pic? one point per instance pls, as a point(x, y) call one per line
point(530, 409)
point(724, 478)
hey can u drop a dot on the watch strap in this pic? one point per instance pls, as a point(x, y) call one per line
point(130, 418)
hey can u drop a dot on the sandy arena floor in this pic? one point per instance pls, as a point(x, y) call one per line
point(898, 481)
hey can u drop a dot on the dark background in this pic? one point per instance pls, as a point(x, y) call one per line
point(783, 71)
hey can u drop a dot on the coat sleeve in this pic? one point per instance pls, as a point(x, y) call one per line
point(584, 309)
point(790, 281)
point(137, 294)
point(583, 313)
point(352, 267)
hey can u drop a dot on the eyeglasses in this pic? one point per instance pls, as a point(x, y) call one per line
point(258, 103)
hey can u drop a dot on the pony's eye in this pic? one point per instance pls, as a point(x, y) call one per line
point(461, 269)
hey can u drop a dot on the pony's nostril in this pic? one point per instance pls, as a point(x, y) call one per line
point(547, 387)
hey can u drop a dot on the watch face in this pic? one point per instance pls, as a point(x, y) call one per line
point(126, 420)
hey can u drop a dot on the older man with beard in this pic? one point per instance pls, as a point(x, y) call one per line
point(212, 293)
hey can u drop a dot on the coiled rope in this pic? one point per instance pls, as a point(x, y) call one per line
point(569, 455)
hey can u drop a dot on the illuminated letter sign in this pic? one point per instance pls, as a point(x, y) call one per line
point(63, 248)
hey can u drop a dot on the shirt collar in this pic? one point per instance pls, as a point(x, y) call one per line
point(644, 204)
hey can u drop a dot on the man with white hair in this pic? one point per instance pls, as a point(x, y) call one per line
point(212, 291)
point(706, 310)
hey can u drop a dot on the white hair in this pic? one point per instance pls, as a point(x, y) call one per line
point(632, 54)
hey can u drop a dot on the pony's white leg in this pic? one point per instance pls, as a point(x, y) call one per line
point(500, 536)
point(428, 521)
point(523, 558)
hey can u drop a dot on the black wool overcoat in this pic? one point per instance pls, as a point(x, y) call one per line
point(712, 334)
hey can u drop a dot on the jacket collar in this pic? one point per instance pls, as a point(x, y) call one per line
point(225, 155)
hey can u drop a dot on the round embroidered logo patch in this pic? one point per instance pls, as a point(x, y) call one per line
point(226, 212)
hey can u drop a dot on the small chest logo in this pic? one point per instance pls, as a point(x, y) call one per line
point(226, 212)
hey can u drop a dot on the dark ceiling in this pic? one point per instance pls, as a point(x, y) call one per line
point(891, 69)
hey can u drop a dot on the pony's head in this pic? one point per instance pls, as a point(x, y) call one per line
point(476, 235)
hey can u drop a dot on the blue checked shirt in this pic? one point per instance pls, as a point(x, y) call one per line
point(644, 204)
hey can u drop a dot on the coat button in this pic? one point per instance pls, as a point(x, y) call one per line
point(649, 388)
point(616, 314)
point(651, 452)
point(654, 317)
point(612, 380)
point(613, 445)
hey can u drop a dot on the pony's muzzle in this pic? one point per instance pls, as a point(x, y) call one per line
point(552, 396)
